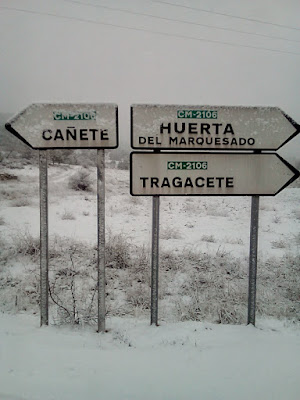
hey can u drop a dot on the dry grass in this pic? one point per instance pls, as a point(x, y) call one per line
point(68, 215)
point(193, 285)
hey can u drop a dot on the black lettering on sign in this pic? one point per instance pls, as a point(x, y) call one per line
point(71, 133)
point(165, 182)
point(205, 128)
point(188, 183)
point(104, 134)
point(177, 182)
point(229, 182)
point(210, 182)
point(220, 181)
point(83, 134)
point(177, 129)
point(154, 182)
point(165, 127)
point(192, 128)
point(93, 133)
point(45, 134)
point(217, 128)
point(143, 179)
point(228, 129)
point(58, 135)
point(200, 178)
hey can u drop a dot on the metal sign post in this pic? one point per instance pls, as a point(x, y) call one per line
point(155, 260)
point(69, 126)
point(101, 238)
point(224, 128)
point(253, 259)
point(44, 279)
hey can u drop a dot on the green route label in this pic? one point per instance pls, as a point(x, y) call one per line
point(72, 116)
point(187, 165)
point(197, 114)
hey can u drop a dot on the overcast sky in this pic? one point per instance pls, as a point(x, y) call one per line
point(94, 51)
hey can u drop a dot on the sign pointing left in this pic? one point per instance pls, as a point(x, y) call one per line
point(67, 126)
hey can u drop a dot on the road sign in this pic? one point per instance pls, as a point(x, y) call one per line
point(185, 127)
point(208, 174)
point(67, 126)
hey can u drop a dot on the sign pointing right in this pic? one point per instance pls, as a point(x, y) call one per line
point(209, 174)
point(184, 127)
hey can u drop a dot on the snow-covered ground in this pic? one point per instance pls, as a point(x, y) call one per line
point(180, 359)
point(134, 361)
point(208, 222)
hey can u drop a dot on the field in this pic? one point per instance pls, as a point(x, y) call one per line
point(203, 283)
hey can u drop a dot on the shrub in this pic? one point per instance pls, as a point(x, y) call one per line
point(81, 181)
point(21, 202)
point(216, 211)
point(72, 287)
point(232, 240)
point(208, 238)
point(117, 252)
point(169, 233)
point(7, 177)
point(168, 261)
point(67, 215)
point(279, 244)
point(192, 285)
point(297, 212)
point(123, 164)
point(297, 238)
point(27, 245)
point(138, 296)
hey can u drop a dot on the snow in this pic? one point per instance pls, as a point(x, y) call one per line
point(133, 360)
point(226, 218)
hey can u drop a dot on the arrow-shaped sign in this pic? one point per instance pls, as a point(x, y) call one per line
point(185, 127)
point(209, 174)
point(67, 126)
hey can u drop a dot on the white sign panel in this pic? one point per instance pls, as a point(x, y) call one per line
point(206, 174)
point(67, 126)
point(210, 127)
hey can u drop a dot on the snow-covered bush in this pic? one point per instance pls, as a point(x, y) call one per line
point(169, 233)
point(7, 177)
point(81, 181)
point(208, 238)
point(212, 288)
point(297, 213)
point(67, 215)
point(123, 164)
point(21, 202)
point(117, 252)
point(138, 296)
point(279, 244)
point(72, 286)
point(27, 245)
point(192, 285)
